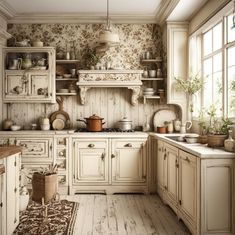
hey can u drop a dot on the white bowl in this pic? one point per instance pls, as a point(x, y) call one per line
point(15, 128)
point(191, 140)
point(67, 75)
point(148, 92)
point(148, 89)
point(63, 90)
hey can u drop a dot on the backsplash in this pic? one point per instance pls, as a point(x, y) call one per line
point(110, 103)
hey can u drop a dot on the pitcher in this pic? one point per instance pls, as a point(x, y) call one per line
point(15, 63)
point(184, 127)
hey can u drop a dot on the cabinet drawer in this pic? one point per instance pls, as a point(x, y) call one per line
point(129, 143)
point(35, 149)
point(187, 157)
point(91, 144)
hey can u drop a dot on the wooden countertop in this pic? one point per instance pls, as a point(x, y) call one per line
point(9, 150)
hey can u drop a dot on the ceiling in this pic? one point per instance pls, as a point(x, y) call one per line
point(154, 11)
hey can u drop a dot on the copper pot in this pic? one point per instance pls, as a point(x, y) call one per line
point(93, 123)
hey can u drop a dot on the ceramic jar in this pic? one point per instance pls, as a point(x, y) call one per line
point(7, 123)
point(170, 128)
point(23, 198)
point(177, 124)
point(229, 144)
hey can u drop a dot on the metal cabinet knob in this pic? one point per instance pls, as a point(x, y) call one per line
point(91, 145)
point(128, 145)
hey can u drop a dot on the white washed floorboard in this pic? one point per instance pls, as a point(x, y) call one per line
point(124, 214)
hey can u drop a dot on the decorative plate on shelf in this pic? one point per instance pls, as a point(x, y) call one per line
point(162, 116)
point(58, 124)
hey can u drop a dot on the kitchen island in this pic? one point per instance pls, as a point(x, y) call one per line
point(9, 188)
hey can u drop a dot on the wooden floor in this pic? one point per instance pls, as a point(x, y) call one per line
point(122, 214)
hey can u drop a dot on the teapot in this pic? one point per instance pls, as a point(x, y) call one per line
point(186, 126)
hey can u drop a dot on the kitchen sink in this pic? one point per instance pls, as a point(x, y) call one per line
point(178, 138)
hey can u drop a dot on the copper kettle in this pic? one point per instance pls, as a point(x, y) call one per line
point(93, 123)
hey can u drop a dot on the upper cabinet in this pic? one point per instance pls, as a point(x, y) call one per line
point(29, 75)
point(177, 65)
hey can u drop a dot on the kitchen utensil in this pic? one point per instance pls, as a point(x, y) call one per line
point(15, 127)
point(94, 123)
point(58, 124)
point(162, 116)
point(152, 73)
point(67, 75)
point(37, 43)
point(15, 64)
point(177, 124)
point(125, 124)
point(26, 63)
point(61, 111)
point(186, 126)
point(191, 140)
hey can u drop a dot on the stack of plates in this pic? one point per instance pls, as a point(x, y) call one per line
point(148, 91)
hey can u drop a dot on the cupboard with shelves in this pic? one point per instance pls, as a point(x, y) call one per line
point(151, 76)
point(66, 77)
point(28, 75)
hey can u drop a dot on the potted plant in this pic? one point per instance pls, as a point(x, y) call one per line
point(203, 127)
point(218, 128)
point(92, 58)
point(190, 86)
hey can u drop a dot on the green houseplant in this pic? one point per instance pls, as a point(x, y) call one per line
point(215, 128)
point(190, 86)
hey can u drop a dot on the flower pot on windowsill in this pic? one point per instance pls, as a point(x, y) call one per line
point(216, 140)
point(203, 139)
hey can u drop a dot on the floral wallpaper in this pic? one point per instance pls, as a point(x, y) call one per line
point(135, 40)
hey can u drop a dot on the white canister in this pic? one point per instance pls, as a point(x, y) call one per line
point(170, 127)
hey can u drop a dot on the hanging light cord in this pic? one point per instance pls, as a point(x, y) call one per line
point(233, 26)
point(108, 21)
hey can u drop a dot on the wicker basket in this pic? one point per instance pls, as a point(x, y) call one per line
point(44, 186)
point(216, 140)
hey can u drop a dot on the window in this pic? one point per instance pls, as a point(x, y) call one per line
point(215, 61)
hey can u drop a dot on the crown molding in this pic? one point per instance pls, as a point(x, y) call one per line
point(79, 18)
point(164, 10)
point(6, 10)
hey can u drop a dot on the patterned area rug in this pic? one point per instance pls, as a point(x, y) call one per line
point(61, 219)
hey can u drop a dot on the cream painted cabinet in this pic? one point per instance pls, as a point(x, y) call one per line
point(217, 195)
point(171, 175)
point(10, 194)
point(128, 161)
point(90, 161)
point(29, 75)
point(199, 190)
point(161, 167)
point(188, 189)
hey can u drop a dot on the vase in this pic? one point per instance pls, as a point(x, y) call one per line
point(216, 140)
point(229, 144)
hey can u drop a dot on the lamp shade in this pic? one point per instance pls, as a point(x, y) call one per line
point(109, 38)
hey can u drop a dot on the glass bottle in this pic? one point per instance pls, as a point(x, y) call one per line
point(146, 126)
point(229, 144)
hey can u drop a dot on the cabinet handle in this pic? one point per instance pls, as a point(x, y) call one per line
point(15, 220)
point(144, 177)
point(165, 187)
point(187, 159)
point(23, 145)
point(1, 204)
point(91, 145)
point(159, 149)
point(176, 164)
point(50, 147)
point(128, 145)
point(102, 156)
point(180, 202)
point(165, 156)
point(15, 190)
point(112, 156)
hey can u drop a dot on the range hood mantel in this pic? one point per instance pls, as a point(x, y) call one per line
point(130, 79)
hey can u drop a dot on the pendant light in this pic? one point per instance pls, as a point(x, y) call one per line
point(107, 36)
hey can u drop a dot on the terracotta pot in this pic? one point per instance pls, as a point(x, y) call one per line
point(93, 123)
point(161, 129)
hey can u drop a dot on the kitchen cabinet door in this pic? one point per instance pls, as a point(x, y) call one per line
point(12, 192)
point(90, 161)
point(188, 187)
point(161, 164)
point(217, 195)
point(129, 161)
point(171, 175)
